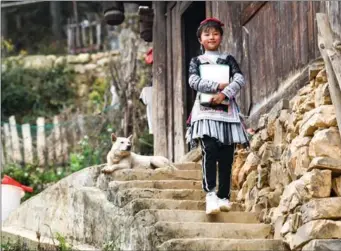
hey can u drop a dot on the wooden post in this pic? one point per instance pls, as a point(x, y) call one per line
point(332, 60)
point(84, 40)
point(15, 140)
point(91, 35)
point(98, 36)
point(26, 135)
point(57, 137)
point(8, 144)
point(41, 142)
point(160, 80)
point(69, 36)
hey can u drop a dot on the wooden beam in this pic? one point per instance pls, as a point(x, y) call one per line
point(327, 43)
point(184, 6)
point(331, 44)
point(19, 3)
point(160, 80)
point(179, 84)
point(208, 9)
point(170, 91)
point(250, 10)
point(170, 5)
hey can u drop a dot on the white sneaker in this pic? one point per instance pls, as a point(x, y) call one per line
point(212, 206)
point(224, 205)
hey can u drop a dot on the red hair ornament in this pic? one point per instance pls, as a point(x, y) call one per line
point(212, 19)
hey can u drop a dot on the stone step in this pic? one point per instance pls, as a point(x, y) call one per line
point(157, 184)
point(188, 166)
point(122, 197)
point(154, 215)
point(157, 174)
point(137, 205)
point(164, 231)
point(218, 244)
point(162, 184)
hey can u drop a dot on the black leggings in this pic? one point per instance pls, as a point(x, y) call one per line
point(214, 151)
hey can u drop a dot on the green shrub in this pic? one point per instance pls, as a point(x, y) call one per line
point(34, 176)
point(63, 244)
point(86, 156)
point(18, 245)
point(30, 93)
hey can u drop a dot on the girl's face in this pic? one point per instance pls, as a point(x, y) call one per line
point(210, 39)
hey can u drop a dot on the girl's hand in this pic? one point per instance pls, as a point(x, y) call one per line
point(218, 98)
point(222, 86)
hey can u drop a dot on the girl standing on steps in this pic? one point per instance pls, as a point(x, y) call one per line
point(217, 125)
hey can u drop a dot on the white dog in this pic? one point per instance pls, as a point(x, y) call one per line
point(120, 157)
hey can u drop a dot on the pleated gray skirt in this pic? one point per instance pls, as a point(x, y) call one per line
point(226, 133)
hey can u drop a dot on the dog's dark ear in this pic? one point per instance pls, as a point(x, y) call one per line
point(113, 137)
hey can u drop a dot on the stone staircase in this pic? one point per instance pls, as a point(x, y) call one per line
point(138, 210)
point(168, 208)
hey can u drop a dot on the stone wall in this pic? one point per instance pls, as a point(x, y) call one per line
point(86, 66)
point(292, 174)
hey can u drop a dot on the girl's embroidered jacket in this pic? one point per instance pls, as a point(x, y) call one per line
point(206, 86)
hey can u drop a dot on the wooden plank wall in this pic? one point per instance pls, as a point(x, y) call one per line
point(277, 41)
point(229, 14)
point(271, 41)
point(168, 81)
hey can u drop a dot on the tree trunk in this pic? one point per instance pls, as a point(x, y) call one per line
point(56, 22)
point(3, 23)
point(75, 12)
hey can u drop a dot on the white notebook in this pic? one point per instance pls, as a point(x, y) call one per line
point(217, 73)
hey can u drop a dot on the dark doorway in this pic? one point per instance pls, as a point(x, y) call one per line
point(191, 19)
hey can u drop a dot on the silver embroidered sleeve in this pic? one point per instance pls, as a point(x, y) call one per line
point(234, 87)
point(202, 85)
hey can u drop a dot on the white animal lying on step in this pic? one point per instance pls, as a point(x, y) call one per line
point(120, 157)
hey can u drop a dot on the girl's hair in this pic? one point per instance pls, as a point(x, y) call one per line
point(210, 23)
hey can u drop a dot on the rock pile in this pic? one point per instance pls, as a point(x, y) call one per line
point(292, 174)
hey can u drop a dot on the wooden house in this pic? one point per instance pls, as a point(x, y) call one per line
point(273, 42)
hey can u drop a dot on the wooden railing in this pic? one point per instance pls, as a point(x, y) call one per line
point(84, 37)
point(44, 144)
point(329, 44)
